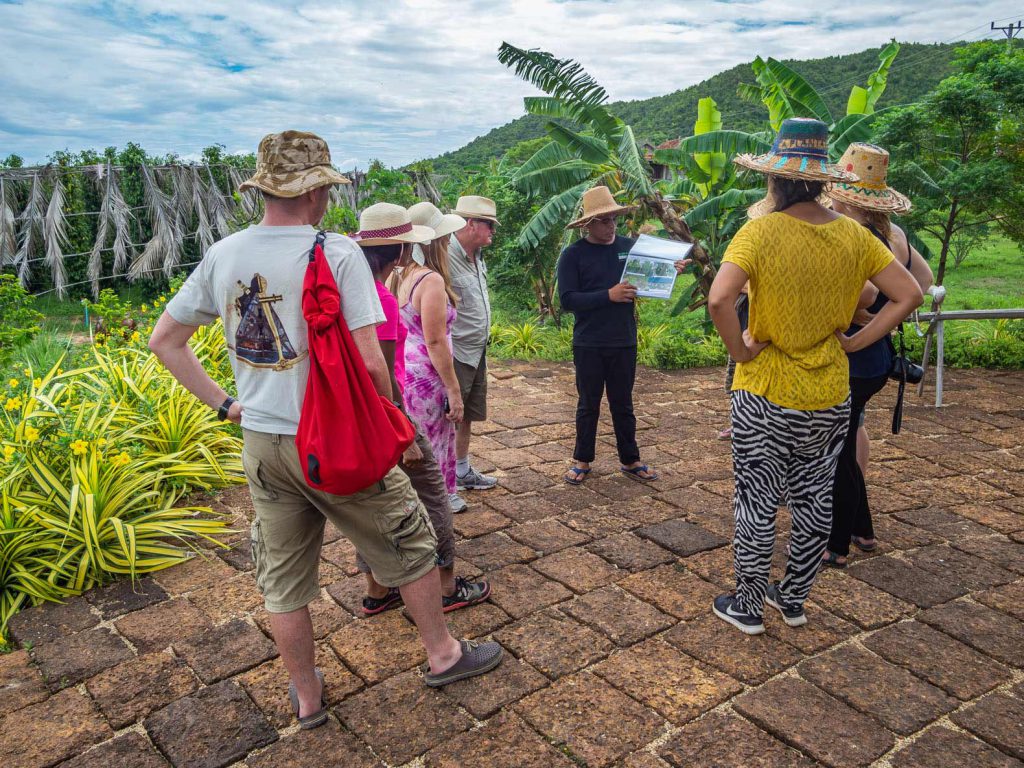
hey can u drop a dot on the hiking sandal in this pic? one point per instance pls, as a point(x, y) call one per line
point(477, 658)
point(318, 718)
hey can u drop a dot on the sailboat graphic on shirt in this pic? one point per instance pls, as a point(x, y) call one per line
point(260, 338)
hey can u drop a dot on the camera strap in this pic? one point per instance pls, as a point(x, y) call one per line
point(897, 412)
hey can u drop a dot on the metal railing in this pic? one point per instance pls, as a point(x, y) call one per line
point(937, 329)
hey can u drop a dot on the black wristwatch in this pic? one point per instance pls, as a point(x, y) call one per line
point(222, 412)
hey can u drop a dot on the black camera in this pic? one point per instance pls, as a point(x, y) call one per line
point(914, 372)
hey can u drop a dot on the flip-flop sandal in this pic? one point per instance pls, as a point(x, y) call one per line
point(318, 718)
point(832, 561)
point(580, 475)
point(858, 542)
point(634, 472)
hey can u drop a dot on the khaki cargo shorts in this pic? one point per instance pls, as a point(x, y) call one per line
point(386, 523)
point(473, 384)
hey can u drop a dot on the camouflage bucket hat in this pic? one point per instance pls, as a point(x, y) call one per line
point(291, 163)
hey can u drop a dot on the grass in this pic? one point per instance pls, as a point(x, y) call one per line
point(991, 278)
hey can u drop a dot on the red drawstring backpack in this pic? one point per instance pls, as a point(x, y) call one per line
point(349, 436)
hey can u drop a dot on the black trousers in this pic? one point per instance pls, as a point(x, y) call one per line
point(851, 515)
point(598, 368)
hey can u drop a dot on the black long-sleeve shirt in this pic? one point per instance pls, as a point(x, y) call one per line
point(585, 273)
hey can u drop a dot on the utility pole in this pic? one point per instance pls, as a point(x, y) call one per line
point(1010, 32)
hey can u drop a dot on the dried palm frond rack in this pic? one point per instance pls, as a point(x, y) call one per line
point(183, 208)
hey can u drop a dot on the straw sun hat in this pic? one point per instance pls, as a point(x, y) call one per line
point(870, 163)
point(429, 215)
point(291, 163)
point(598, 202)
point(800, 151)
point(477, 207)
point(387, 224)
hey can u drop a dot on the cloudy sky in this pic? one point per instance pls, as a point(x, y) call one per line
point(392, 79)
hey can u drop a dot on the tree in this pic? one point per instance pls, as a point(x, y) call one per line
point(598, 148)
point(387, 185)
point(958, 152)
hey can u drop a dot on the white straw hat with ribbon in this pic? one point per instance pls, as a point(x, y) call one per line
point(386, 224)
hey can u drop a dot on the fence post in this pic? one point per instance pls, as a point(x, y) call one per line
point(940, 348)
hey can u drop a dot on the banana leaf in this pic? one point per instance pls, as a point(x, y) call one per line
point(805, 100)
point(588, 148)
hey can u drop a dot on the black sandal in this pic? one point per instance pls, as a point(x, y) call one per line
point(832, 561)
point(858, 542)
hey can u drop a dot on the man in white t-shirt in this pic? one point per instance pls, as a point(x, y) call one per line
point(252, 280)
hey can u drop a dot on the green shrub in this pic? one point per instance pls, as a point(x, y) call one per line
point(45, 351)
point(19, 321)
point(975, 344)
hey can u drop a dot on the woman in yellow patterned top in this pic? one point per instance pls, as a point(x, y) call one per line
point(806, 266)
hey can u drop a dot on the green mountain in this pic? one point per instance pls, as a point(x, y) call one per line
point(918, 68)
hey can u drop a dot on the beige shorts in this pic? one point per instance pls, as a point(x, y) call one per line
point(386, 523)
point(473, 384)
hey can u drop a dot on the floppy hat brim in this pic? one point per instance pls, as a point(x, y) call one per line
point(450, 222)
point(618, 210)
point(887, 199)
point(294, 183)
point(808, 168)
point(418, 234)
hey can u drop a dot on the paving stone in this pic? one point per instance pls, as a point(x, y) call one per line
point(157, 627)
point(630, 552)
point(672, 589)
point(945, 524)
point(225, 650)
point(547, 536)
point(483, 696)
point(907, 582)
point(231, 599)
point(503, 741)
point(524, 480)
point(340, 553)
point(519, 590)
point(402, 718)
point(132, 690)
point(21, 683)
point(648, 510)
point(72, 659)
point(323, 747)
point(793, 711)
point(999, 720)
point(193, 574)
point(1008, 598)
point(131, 749)
point(991, 632)
point(857, 601)
point(267, 685)
point(479, 521)
point(527, 506)
point(822, 630)
point(892, 695)
point(996, 517)
point(898, 535)
point(579, 570)
point(215, 726)
point(239, 556)
point(749, 658)
point(644, 760)
point(956, 668)
point(617, 614)
point(38, 735)
point(943, 747)
point(673, 684)
point(599, 522)
point(493, 551)
point(967, 571)
point(349, 593)
point(554, 643)
point(592, 720)
point(476, 621)
point(124, 596)
point(1000, 550)
point(379, 647)
point(682, 537)
point(716, 567)
point(725, 740)
point(326, 616)
point(49, 621)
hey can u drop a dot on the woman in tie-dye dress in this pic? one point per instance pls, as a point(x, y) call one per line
point(428, 310)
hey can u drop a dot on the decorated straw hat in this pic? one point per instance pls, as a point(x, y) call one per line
point(800, 151)
point(870, 163)
point(477, 207)
point(292, 163)
point(429, 215)
point(597, 202)
point(387, 224)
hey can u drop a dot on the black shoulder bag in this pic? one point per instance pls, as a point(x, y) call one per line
point(897, 411)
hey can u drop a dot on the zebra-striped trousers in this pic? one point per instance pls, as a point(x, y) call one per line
point(775, 448)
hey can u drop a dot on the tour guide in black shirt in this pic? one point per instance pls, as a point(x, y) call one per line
point(604, 338)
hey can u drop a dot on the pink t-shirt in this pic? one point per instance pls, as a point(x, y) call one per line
point(392, 329)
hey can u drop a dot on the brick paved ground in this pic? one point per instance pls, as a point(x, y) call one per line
point(912, 657)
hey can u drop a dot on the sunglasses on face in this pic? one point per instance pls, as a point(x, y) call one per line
point(484, 222)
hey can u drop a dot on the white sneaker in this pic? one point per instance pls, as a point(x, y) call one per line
point(458, 503)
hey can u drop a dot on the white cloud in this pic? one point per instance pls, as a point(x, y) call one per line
point(396, 80)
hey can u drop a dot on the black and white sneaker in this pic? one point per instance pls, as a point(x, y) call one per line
point(725, 608)
point(794, 617)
